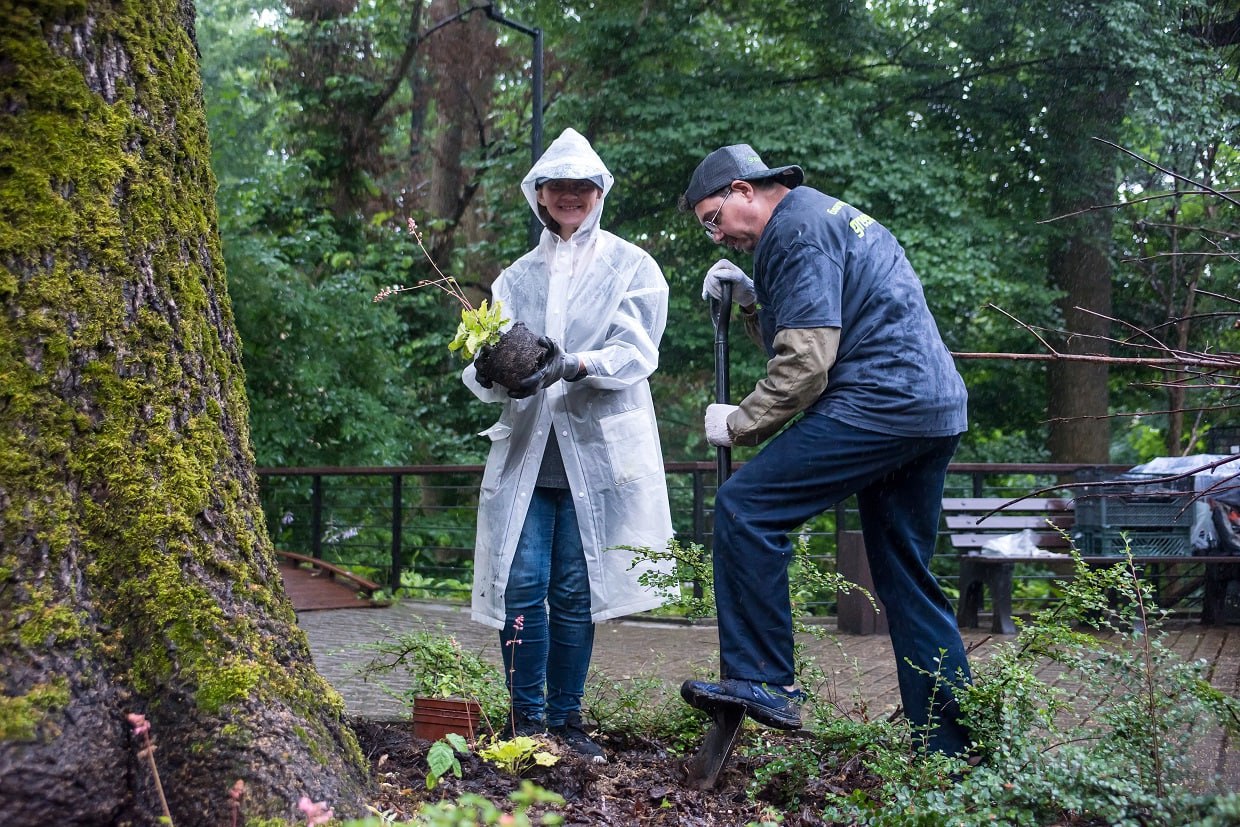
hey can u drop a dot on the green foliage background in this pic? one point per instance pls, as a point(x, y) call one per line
point(956, 125)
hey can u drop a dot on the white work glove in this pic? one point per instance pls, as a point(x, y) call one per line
point(717, 424)
point(742, 285)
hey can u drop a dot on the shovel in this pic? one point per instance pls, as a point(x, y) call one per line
point(703, 769)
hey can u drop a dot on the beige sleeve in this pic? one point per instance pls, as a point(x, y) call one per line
point(795, 377)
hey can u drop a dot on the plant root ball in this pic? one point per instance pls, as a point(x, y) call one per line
point(517, 355)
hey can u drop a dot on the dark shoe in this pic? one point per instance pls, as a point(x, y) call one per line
point(518, 725)
point(771, 705)
point(572, 732)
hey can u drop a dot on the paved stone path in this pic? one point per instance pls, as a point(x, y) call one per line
point(862, 666)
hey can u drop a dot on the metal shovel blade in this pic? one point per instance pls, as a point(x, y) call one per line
point(702, 771)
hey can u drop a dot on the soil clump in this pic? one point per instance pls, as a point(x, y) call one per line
point(517, 355)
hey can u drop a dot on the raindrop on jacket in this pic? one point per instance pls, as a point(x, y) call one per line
point(605, 300)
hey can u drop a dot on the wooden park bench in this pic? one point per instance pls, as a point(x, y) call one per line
point(973, 521)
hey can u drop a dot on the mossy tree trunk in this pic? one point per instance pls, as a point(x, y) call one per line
point(136, 574)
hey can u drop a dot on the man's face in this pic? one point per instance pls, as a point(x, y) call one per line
point(730, 216)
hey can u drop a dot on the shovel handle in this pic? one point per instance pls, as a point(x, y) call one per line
point(721, 315)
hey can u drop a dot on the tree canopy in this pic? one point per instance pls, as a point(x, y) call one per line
point(990, 138)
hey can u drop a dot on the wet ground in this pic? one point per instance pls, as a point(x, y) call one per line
point(862, 666)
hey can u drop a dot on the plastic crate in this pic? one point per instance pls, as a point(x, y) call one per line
point(1120, 508)
point(1110, 542)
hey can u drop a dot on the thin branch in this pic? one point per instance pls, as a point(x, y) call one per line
point(1223, 194)
point(1161, 363)
point(1027, 327)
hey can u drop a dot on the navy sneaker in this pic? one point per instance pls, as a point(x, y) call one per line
point(767, 704)
point(517, 725)
point(573, 733)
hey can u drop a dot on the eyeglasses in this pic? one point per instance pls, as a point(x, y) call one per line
point(712, 227)
point(573, 185)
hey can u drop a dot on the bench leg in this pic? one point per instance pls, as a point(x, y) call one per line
point(999, 580)
point(970, 595)
point(977, 575)
point(1214, 598)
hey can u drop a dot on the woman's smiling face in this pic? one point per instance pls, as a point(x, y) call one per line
point(569, 202)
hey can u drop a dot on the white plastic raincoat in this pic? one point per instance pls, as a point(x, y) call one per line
point(605, 300)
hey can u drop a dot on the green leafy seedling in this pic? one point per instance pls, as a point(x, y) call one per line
point(478, 327)
point(516, 755)
point(442, 758)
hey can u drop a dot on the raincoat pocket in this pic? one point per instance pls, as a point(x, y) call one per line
point(631, 445)
point(499, 434)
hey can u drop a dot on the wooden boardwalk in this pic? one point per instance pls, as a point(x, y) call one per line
point(314, 585)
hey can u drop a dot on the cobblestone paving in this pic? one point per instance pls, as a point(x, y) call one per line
point(862, 666)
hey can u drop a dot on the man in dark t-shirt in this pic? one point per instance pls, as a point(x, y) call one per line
point(853, 348)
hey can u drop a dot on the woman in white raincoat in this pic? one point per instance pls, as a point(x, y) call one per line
point(575, 469)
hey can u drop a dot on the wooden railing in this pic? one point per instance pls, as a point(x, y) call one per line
point(413, 526)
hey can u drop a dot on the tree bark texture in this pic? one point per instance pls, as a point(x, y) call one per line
point(1080, 266)
point(136, 574)
point(462, 61)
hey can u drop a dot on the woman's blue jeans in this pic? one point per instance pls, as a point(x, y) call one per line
point(547, 652)
point(807, 469)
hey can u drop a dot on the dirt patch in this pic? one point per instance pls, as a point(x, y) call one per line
point(642, 783)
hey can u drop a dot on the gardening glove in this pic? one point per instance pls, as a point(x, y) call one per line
point(742, 285)
point(485, 379)
point(559, 365)
point(717, 433)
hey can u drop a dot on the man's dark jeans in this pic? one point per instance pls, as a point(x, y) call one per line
point(811, 466)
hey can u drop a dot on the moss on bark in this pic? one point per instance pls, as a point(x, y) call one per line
point(135, 569)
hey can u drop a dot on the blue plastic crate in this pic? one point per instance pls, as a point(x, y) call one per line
point(1110, 542)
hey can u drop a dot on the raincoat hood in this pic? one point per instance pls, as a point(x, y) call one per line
point(569, 156)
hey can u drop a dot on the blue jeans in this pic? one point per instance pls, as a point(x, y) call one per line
point(807, 469)
point(546, 660)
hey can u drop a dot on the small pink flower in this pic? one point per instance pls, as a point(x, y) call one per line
point(139, 723)
point(316, 812)
point(518, 623)
point(237, 791)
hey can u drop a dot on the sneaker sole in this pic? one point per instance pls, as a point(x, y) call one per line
point(707, 701)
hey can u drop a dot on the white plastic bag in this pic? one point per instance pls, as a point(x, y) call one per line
point(1021, 544)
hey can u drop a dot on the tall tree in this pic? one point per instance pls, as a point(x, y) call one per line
point(136, 575)
point(1027, 90)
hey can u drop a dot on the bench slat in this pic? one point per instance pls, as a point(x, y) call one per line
point(983, 505)
point(1000, 521)
point(965, 540)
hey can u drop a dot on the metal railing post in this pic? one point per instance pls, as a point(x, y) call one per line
point(316, 517)
point(699, 521)
point(397, 529)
